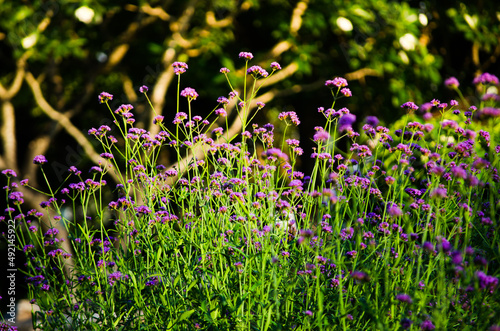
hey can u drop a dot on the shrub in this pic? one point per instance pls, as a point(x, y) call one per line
point(399, 230)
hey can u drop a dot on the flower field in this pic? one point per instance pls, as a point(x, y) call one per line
point(396, 228)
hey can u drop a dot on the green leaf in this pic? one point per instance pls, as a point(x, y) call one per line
point(185, 315)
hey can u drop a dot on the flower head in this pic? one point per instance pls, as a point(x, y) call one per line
point(257, 71)
point(321, 135)
point(9, 173)
point(404, 298)
point(289, 115)
point(179, 67)
point(451, 83)
point(427, 325)
point(105, 97)
point(246, 55)
point(409, 106)
point(372, 120)
point(189, 93)
point(485, 79)
point(346, 92)
point(346, 122)
point(39, 159)
point(158, 119)
point(360, 276)
point(143, 89)
point(337, 81)
point(275, 66)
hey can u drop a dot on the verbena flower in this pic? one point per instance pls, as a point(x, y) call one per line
point(275, 66)
point(452, 83)
point(427, 325)
point(409, 106)
point(404, 298)
point(337, 81)
point(179, 67)
point(246, 55)
point(321, 135)
point(291, 115)
point(9, 173)
point(189, 93)
point(104, 97)
point(257, 71)
point(486, 78)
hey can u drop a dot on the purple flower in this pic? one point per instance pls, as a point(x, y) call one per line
point(143, 89)
point(158, 119)
point(488, 112)
point(9, 173)
point(104, 97)
point(337, 81)
point(321, 135)
point(456, 257)
point(221, 112)
point(308, 313)
point(486, 282)
point(406, 323)
point(223, 100)
point(346, 92)
point(428, 246)
point(360, 276)
point(275, 66)
point(39, 159)
point(224, 70)
point(395, 211)
point(28, 248)
point(351, 254)
point(189, 93)
point(289, 115)
point(372, 120)
point(257, 70)
point(107, 155)
point(409, 106)
point(486, 78)
point(451, 83)
point(438, 193)
point(404, 298)
point(246, 55)
point(123, 109)
point(179, 67)
point(427, 325)
point(346, 122)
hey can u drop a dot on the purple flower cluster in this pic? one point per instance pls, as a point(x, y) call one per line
point(104, 97)
point(291, 116)
point(246, 55)
point(485, 79)
point(189, 93)
point(337, 81)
